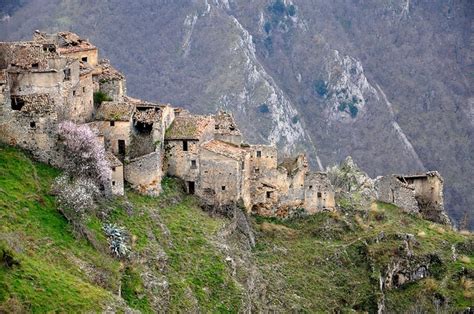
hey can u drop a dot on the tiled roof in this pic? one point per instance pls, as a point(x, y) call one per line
point(107, 72)
point(115, 111)
point(187, 127)
point(224, 149)
point(69, 42)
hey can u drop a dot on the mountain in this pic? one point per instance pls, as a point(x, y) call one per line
point(387, 82)
point(184, 259)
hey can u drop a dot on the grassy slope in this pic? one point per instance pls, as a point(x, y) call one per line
point(325, 262)
point(57, 272)
point(331, 261)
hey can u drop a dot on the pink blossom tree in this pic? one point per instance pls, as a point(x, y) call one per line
point(84, 155)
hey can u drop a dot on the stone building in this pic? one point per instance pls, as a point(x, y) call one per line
point(418, 193)
point(117, 174)
point(182, 146)
point(223, 175)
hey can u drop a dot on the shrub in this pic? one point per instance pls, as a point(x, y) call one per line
point(295, 119)
point(100, 96)
point(84, 155)
point(353, 110)
point(291, 10)
point(268, 43)
point(267, 27)
point(263, 108)
point(321, 88)
point(278, 7)
point(117, 237)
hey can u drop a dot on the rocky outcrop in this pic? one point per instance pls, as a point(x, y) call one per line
point(351, 183)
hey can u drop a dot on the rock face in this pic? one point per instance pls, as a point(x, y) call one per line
point(352, 184)
point(352, 79)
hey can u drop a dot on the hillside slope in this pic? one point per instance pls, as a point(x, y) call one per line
point(387, 82)
point(184, 259)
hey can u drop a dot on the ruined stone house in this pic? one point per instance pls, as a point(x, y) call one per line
point(418, 193)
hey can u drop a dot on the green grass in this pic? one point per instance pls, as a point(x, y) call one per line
point(47, 276)
point(330, 261)
point(322, 263)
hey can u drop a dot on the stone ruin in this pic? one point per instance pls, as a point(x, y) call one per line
point(54, 77)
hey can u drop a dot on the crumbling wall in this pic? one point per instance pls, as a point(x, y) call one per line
point(117, 180)
point(220, 180)
point(145, 173)
point(390, 189)
point(113, 132)
point(179, 162)
point(262, 158)
point(319, 193)
point(81, 95)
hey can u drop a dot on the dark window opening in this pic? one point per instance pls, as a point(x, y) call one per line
point(74, 93)
point(216, 127)
point(67, 74)
point(113, 182)
point(84, 59)
point(242, 165)
point(33, 124)
point(50, 48)
point(112, 123)
point(113, 169)
point(121, 147)
point(17, 103)
point(257, 170)
point(320, 195)
point(223, 188)
point(83, 89)
point(232, 128)
point(310, 187)
point(269, 194)
point(259, 154)
point(185, 146)
point(193, 164)
point(35, 65)
point(191, 187)
point(143, 128)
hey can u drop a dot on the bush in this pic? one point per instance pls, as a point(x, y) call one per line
point(267, 27)
point(277, 8)
point(320, 87)
point(353, 110)
point(100, 96)
point(117, 240)
point(295, 119)
point(263, 108)
point(291, 10)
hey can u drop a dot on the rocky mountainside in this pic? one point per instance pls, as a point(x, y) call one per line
point(387, 82)
point(182, 258)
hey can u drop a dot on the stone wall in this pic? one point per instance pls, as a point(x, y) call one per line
point(390, 189)
point(120, 130)
point(145, 173)
point(117, 180)
point(220, 179)
point(319, 193)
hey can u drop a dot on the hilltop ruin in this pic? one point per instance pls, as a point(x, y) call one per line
point(56, 77)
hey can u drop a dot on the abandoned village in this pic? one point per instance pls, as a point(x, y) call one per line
point(54, 77)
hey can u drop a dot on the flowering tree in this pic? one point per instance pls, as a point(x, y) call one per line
point(85, 157)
